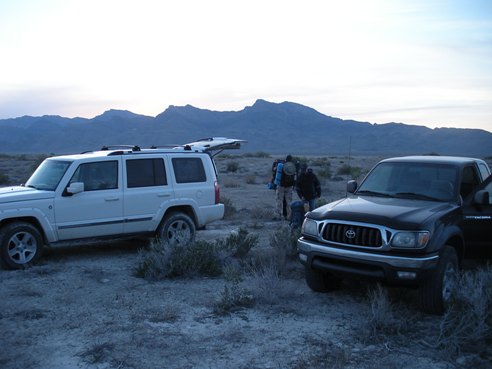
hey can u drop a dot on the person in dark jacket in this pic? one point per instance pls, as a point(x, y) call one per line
point(308, 187)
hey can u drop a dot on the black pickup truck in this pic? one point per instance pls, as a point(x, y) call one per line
point(411, 222)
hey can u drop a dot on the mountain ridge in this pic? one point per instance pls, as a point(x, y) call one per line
point(267, 126)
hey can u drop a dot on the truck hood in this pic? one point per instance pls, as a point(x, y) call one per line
point(395, 213)
point(19, 193)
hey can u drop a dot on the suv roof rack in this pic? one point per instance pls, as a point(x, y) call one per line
point(112, 147)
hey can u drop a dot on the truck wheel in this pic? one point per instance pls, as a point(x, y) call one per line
point(321, 281)
point(436, 292)
point(177, 229)
point(21, 245)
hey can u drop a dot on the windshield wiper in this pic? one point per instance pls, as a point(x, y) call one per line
point(373, 193)
point(419, 196)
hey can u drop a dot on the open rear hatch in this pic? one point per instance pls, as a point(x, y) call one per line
point(213, 145)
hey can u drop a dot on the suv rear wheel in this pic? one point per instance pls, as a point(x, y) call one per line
point(21, 245)
point(177, 229)
point(437, 291)
point(320, 281)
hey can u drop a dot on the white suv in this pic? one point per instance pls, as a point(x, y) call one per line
point(168, 193)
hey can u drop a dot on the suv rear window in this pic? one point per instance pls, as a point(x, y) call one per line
point(188, 170)
point(145, 173)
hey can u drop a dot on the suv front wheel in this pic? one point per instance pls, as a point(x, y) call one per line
point(177, 229)
point(21, 245)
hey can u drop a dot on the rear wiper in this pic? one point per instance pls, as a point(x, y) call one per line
point(373, 193)
point(419, 196)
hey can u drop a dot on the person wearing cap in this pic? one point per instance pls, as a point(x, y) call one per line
point(308, 187)
point(285, 188)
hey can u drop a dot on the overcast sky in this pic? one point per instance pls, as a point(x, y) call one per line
point(425, 62)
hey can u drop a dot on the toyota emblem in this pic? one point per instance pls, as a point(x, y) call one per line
point(350, 234)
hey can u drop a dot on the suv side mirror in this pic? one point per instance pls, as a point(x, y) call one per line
point(481, 198)
point(351, 186)
point(75, 187)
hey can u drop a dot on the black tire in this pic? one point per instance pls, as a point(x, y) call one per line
point(21, 245)
point(437, 291)
point(177, 229)
point(319, 281)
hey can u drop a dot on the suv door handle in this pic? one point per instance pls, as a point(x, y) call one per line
point(112, 198)
point(163, 194)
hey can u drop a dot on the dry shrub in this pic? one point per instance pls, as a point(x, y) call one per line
point(163, 261)
point(284, 242)
point(266, 281)
point(467, 324)
point(250, 179)
point(384, 319)
point(259, 213)
point(202, 258)
point(229, 208)
point(239, 243)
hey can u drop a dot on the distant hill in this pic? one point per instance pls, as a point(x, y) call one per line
point(268, 127)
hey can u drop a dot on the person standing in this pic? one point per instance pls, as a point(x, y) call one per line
point(308, 187)
point(285, 175)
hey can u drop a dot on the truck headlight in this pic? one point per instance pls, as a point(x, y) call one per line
point(410, 239)
point(310, 227)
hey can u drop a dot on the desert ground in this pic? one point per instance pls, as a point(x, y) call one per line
point(83, 306)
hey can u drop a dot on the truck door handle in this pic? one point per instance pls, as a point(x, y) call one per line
point(163, 194)
point(112, 198)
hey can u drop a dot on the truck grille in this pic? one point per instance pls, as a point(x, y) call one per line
point(352, 235)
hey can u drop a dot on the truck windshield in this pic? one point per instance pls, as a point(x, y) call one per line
point(48, 175)
point(423, 181)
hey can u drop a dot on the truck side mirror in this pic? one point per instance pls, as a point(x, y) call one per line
point(75, 187)
point(481, 198)
point(351, 186)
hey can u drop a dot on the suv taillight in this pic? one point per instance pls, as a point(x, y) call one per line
point(217, 192)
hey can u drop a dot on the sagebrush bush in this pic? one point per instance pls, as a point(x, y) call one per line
point(353, 172)
point(160, 260)
point(239, 243)
point(232, 298)
point(250, 179)
point(232, 166)
point(266, 281)
point(229, 208)
point(384, 318)
point(284, 242)
point(467, 324)
point(163, 261)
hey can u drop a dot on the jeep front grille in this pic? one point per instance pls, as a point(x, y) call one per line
point(351, 234)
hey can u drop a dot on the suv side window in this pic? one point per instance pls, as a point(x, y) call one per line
point(101, 175)
point(188, 170)
point(145, 173)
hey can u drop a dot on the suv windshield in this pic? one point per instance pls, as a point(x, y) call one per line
point(48, 175)
point(424, 181)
